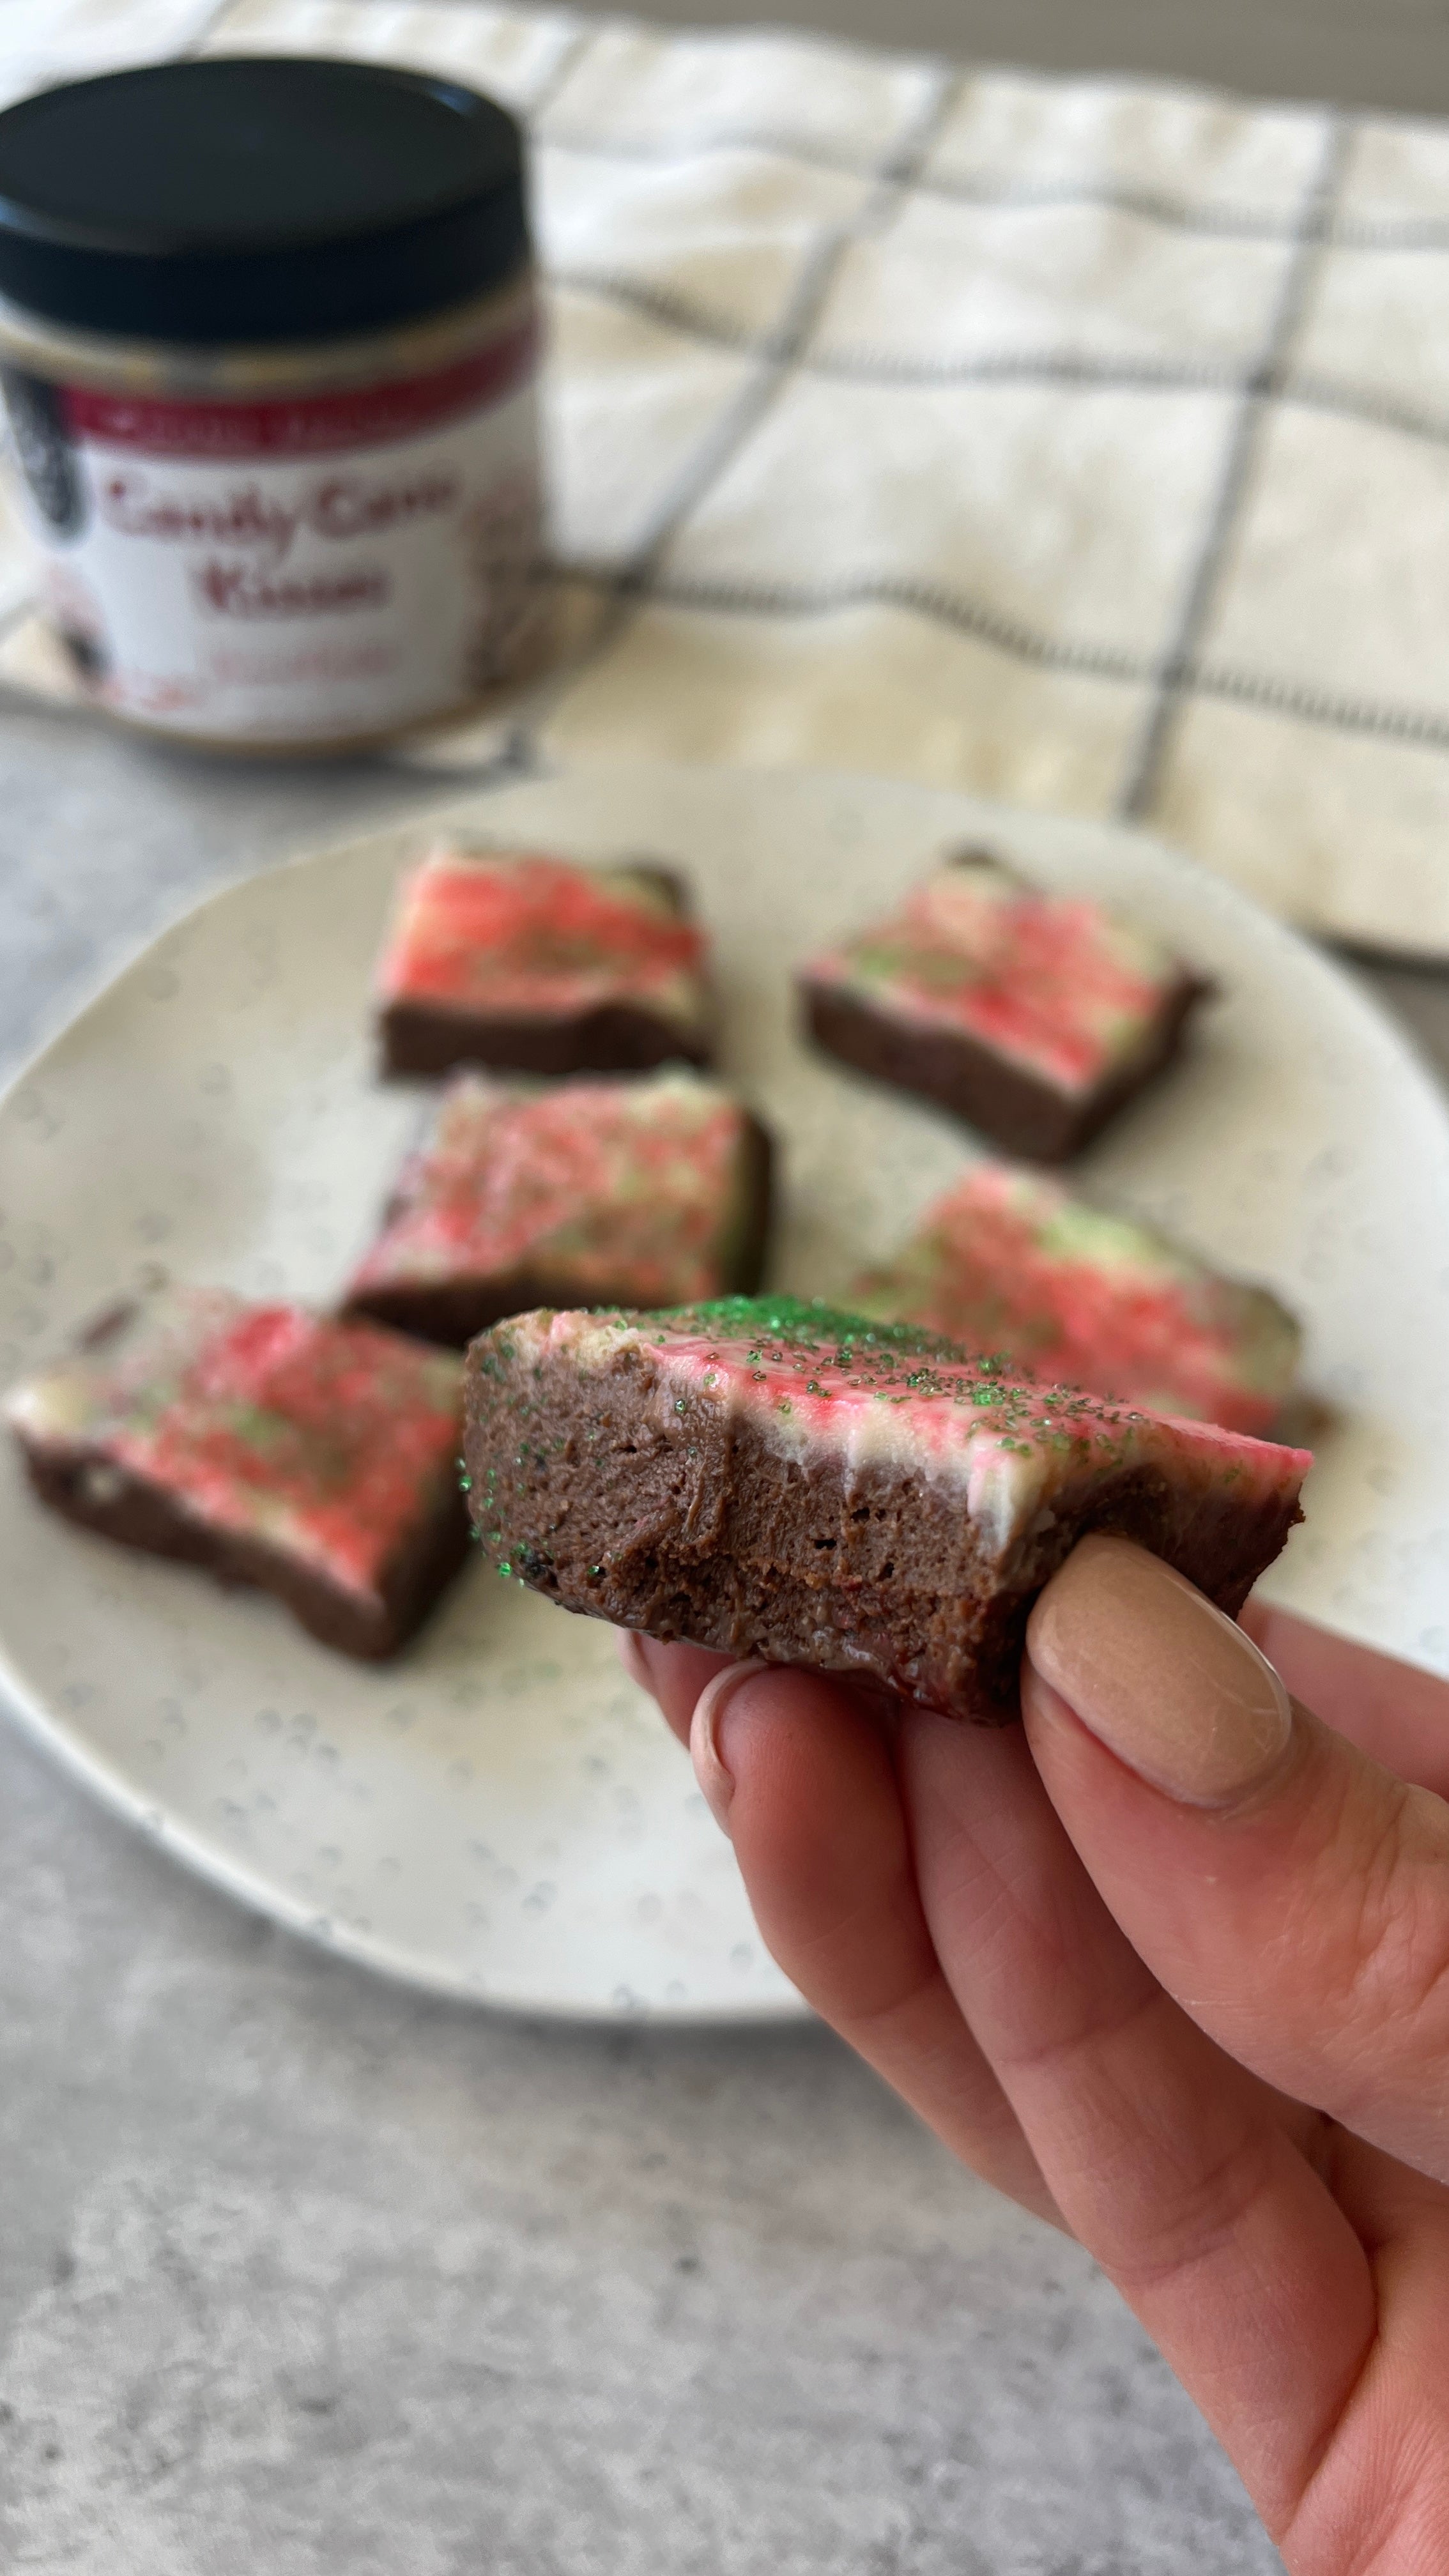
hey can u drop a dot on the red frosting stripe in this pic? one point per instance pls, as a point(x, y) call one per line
point(327, 1438)
point(528, 935)
point(311, 425)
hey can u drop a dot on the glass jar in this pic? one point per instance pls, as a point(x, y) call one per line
point(268, 350)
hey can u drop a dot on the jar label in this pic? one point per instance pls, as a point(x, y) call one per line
point(291, 569)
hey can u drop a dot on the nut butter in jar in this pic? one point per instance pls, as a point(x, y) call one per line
point(268, 348)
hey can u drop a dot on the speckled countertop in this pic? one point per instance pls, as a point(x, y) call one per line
point(303, 2276)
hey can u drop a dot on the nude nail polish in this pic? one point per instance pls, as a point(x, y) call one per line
point(716, 1783)
point(1159, 1675)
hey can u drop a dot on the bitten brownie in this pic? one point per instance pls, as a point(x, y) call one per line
point(1010, 1261)
point(530, 965)
point(605, 1193)
point(777, 1479)
point(315, 1459)
point(1032, 1016)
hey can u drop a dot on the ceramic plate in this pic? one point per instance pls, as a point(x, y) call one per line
point(499, 1814)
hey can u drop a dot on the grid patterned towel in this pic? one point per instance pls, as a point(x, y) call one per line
point(1082, 443)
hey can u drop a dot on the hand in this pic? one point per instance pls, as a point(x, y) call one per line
point(1170, 1965)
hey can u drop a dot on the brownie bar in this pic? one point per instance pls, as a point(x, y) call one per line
point(311, 1459)
point(778, 1479)
point(526, 964)
point(1032, 1017)
point(603, 1193)
point(1010, 1261)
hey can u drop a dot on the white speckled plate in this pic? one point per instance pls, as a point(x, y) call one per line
point(499, 1815)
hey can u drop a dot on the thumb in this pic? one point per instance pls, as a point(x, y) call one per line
point(1290, 1894)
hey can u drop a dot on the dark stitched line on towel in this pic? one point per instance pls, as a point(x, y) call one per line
point(1179, 214)
point(564, 63)
point(1424, 727)
point(1420, 728)
point(781, 349)
point(1218, 221)
point(775, 356)
point(1153, 205)
point(1388, 232)
point(918, 598)
point(1302, 389)
point(202, 34)
point(1312, 392)
point(674, 310)
point(1145, 767)
point(1239, 223)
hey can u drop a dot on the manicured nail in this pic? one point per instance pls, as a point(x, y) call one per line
point(633, 1657)
point(1159, 1675)
point(716, 1783)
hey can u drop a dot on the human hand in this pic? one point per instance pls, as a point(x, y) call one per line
point(1170, 1965)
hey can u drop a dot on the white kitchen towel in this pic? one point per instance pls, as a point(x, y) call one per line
point(1078, 442)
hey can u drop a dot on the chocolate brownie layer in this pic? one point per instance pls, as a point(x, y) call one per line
point(595, 1192)
point(424, 1040)
point(312, 1459)
point(1016, 1110)
point(774, 1479)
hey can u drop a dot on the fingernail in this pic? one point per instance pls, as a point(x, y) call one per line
point(1159, 1675)
point(716, 1783)
point(633, 1657)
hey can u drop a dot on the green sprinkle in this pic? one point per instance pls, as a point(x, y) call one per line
point(806, 1322)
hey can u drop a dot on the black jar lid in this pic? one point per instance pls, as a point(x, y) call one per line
point(246, 199)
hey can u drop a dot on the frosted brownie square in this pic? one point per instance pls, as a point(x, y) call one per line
point(1010, 1261)
point(776, 1479)
point(1032, 1016)
point(603, 1193)
point(315, 1459)
point(530, 965)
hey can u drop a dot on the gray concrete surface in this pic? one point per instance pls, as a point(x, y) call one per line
point(303, 2276)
